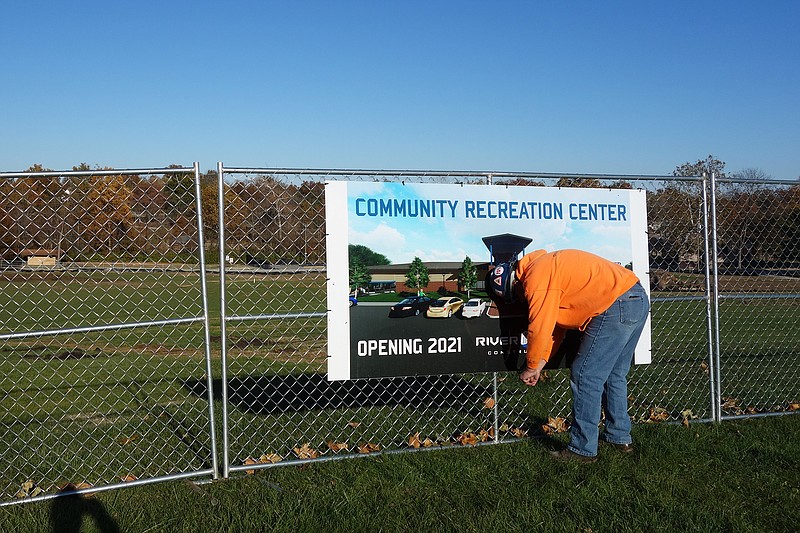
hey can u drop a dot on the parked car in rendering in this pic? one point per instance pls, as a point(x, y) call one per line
point(473, 308)
point(411, 306)
point(353, 301)
point(444, 307)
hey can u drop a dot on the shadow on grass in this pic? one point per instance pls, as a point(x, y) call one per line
point(182, 431)
point(67, 513)
point(277, 394)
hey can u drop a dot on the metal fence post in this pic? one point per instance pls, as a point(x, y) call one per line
point(709, 305)
point(715, 294)
point(223, 317)
point(495, 408)
point(206, 324)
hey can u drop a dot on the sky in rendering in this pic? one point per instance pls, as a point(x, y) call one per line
point(437, 222)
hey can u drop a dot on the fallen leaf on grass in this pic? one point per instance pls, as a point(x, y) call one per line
point(336, 447)
point(656, 415)
point(489, 403)
point(687, 415)
point(305, 451)
point(515, 431)
point(249, 461)
point(29, 489)
point(467, 439)
point(83, 485)
point(794, 406)
point(127, 440)
point(368, 447)
point(427, 443)
point(729, 402)
point(519, 432)
point(127, 478)
point(732, 404)
point(270, 458)
point(354, 424)
point(555, 425)
point(414, 441)
point(704, 367)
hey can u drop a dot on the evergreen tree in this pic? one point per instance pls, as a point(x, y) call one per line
point(359, 276)
point(417, 275)
point(467, 275)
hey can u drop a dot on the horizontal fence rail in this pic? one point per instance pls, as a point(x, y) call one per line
point(147, 308)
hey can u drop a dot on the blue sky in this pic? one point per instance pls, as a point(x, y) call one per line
point(584, 87)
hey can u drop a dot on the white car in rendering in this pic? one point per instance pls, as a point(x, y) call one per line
point(473, 308)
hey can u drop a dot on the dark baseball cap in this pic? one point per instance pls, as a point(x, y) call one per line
point(501, 279)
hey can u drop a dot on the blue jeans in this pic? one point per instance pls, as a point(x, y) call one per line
point(598, 375)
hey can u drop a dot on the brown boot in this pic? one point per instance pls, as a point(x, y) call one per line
point(568, 456)
point(624, 448)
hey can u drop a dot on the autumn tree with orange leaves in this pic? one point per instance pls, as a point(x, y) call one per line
point(104, 212)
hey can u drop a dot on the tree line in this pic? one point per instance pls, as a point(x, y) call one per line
point(269, 220)
point(417, 275)
point(758, 223)
point(154, 217)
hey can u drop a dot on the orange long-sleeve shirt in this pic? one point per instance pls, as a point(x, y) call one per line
point(565, 290)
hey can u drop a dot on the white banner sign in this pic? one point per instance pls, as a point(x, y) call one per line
point(441, 225)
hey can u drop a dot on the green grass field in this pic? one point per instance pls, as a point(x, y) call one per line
point(741, 476)
point(102, 406)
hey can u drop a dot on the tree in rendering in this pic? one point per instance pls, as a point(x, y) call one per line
point(363, 254)
point(417, 275)
point(359, 275)
point(467, 275)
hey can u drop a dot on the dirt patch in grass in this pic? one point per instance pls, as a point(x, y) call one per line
point(62, 355)
point(279, 349)
point(661, 280)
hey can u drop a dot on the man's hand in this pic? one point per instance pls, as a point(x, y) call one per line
point(530, 376)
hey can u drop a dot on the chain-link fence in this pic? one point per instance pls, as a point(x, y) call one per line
point(104, 341)
point(284, 409)
point(756, 229)
point(120, 363)
point(280, 406)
